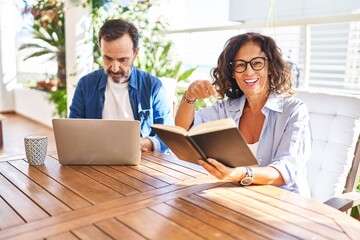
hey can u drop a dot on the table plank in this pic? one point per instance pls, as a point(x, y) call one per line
point(108, 181)
point(25, 207)
point(288, 216)
point(290, 222)
point(200, 227)
point(149, 179)
point(90, 232)
point(103, 211)
point(163, 198)
point(9, 217)
point(351, 228)
point(215, 214)
point(41, 197)
point(64, 194)
point(12, 157)
point(174, 159)
point(154, 226)
point(88, 188)
point(286, 206)
point(293, 198)
point(117, 230)
point(171, 172)
point(63, 236)
point(175, 166)
point(126, 179)
point(349, 225)
point(159, 175)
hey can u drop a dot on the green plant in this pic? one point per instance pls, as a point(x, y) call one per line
point(49, 34)
point(49, 40)
point(155, 56)
point(59, 96)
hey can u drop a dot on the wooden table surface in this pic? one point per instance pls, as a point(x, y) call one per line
point(163, 198)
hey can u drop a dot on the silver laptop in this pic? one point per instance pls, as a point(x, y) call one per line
point(97, 141)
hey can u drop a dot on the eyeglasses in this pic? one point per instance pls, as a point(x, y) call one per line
point(257, 63)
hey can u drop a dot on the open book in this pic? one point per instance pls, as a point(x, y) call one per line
point(218, 139)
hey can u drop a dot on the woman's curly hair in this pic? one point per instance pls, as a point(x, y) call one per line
point(280, 78)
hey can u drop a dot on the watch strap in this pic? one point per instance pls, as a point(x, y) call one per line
point(248, 179)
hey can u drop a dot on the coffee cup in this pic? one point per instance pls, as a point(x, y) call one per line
point(36, 148)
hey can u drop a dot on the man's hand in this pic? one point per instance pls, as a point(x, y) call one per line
point(146, 145)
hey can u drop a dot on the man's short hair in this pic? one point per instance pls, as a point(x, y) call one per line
point(117, 28)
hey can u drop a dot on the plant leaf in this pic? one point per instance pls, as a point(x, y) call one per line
point(185, 75)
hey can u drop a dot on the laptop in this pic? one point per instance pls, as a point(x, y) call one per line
point(97, 141)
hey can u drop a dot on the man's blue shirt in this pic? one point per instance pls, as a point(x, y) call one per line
point(147, 99)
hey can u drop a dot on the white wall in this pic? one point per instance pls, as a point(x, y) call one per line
point(8, 13)
point(34, 104)
point(183, 14)
point(79, 49)
point(258, 10)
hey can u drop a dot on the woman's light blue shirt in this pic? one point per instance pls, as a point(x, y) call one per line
point(285, 139)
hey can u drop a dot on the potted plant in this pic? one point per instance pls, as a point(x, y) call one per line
point(49, 34)
point(48, 30)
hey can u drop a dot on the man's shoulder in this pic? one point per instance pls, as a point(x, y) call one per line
point(143, 75)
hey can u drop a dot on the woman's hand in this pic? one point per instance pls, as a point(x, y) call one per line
point(200, 89)
point(222, 172)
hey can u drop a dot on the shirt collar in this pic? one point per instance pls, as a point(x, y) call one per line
point(133, 78)
point(274, 102)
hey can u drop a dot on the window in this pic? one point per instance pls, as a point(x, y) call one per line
point(326, 54)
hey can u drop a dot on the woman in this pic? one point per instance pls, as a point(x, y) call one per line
point(257, 83)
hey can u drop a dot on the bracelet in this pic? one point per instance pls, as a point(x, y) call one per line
point(187, 100)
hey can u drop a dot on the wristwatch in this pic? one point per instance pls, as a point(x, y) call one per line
point(248, 179)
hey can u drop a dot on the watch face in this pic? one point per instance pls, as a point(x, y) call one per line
point(246, 181)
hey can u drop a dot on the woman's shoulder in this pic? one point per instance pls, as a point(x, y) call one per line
point(294, 100)
point(296, 106)
point(285, 103)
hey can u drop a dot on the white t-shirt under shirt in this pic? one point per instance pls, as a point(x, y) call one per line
point(117, 101)
point(253, 147)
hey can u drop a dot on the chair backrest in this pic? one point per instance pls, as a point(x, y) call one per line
point(170, 87)
point(335, 125)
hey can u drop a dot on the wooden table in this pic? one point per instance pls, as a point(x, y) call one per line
point(163, 198)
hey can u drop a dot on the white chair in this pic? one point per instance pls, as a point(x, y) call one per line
point(170, 87)
point(335, 123)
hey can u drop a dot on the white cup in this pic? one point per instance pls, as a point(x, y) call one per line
point(36, 148)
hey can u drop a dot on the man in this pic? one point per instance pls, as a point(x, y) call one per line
point(121, 91)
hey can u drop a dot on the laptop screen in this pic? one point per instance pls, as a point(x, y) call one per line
point(97, 141)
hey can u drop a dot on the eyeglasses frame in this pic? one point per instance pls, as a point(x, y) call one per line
point(249, 63)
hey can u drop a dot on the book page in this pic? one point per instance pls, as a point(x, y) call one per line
point(174, 129)
point(213, 126)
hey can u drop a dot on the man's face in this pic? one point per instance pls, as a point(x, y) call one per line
point(118, 57)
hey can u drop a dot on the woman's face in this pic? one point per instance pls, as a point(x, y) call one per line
point(251, 82)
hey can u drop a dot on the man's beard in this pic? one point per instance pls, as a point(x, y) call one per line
point(119, 76)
